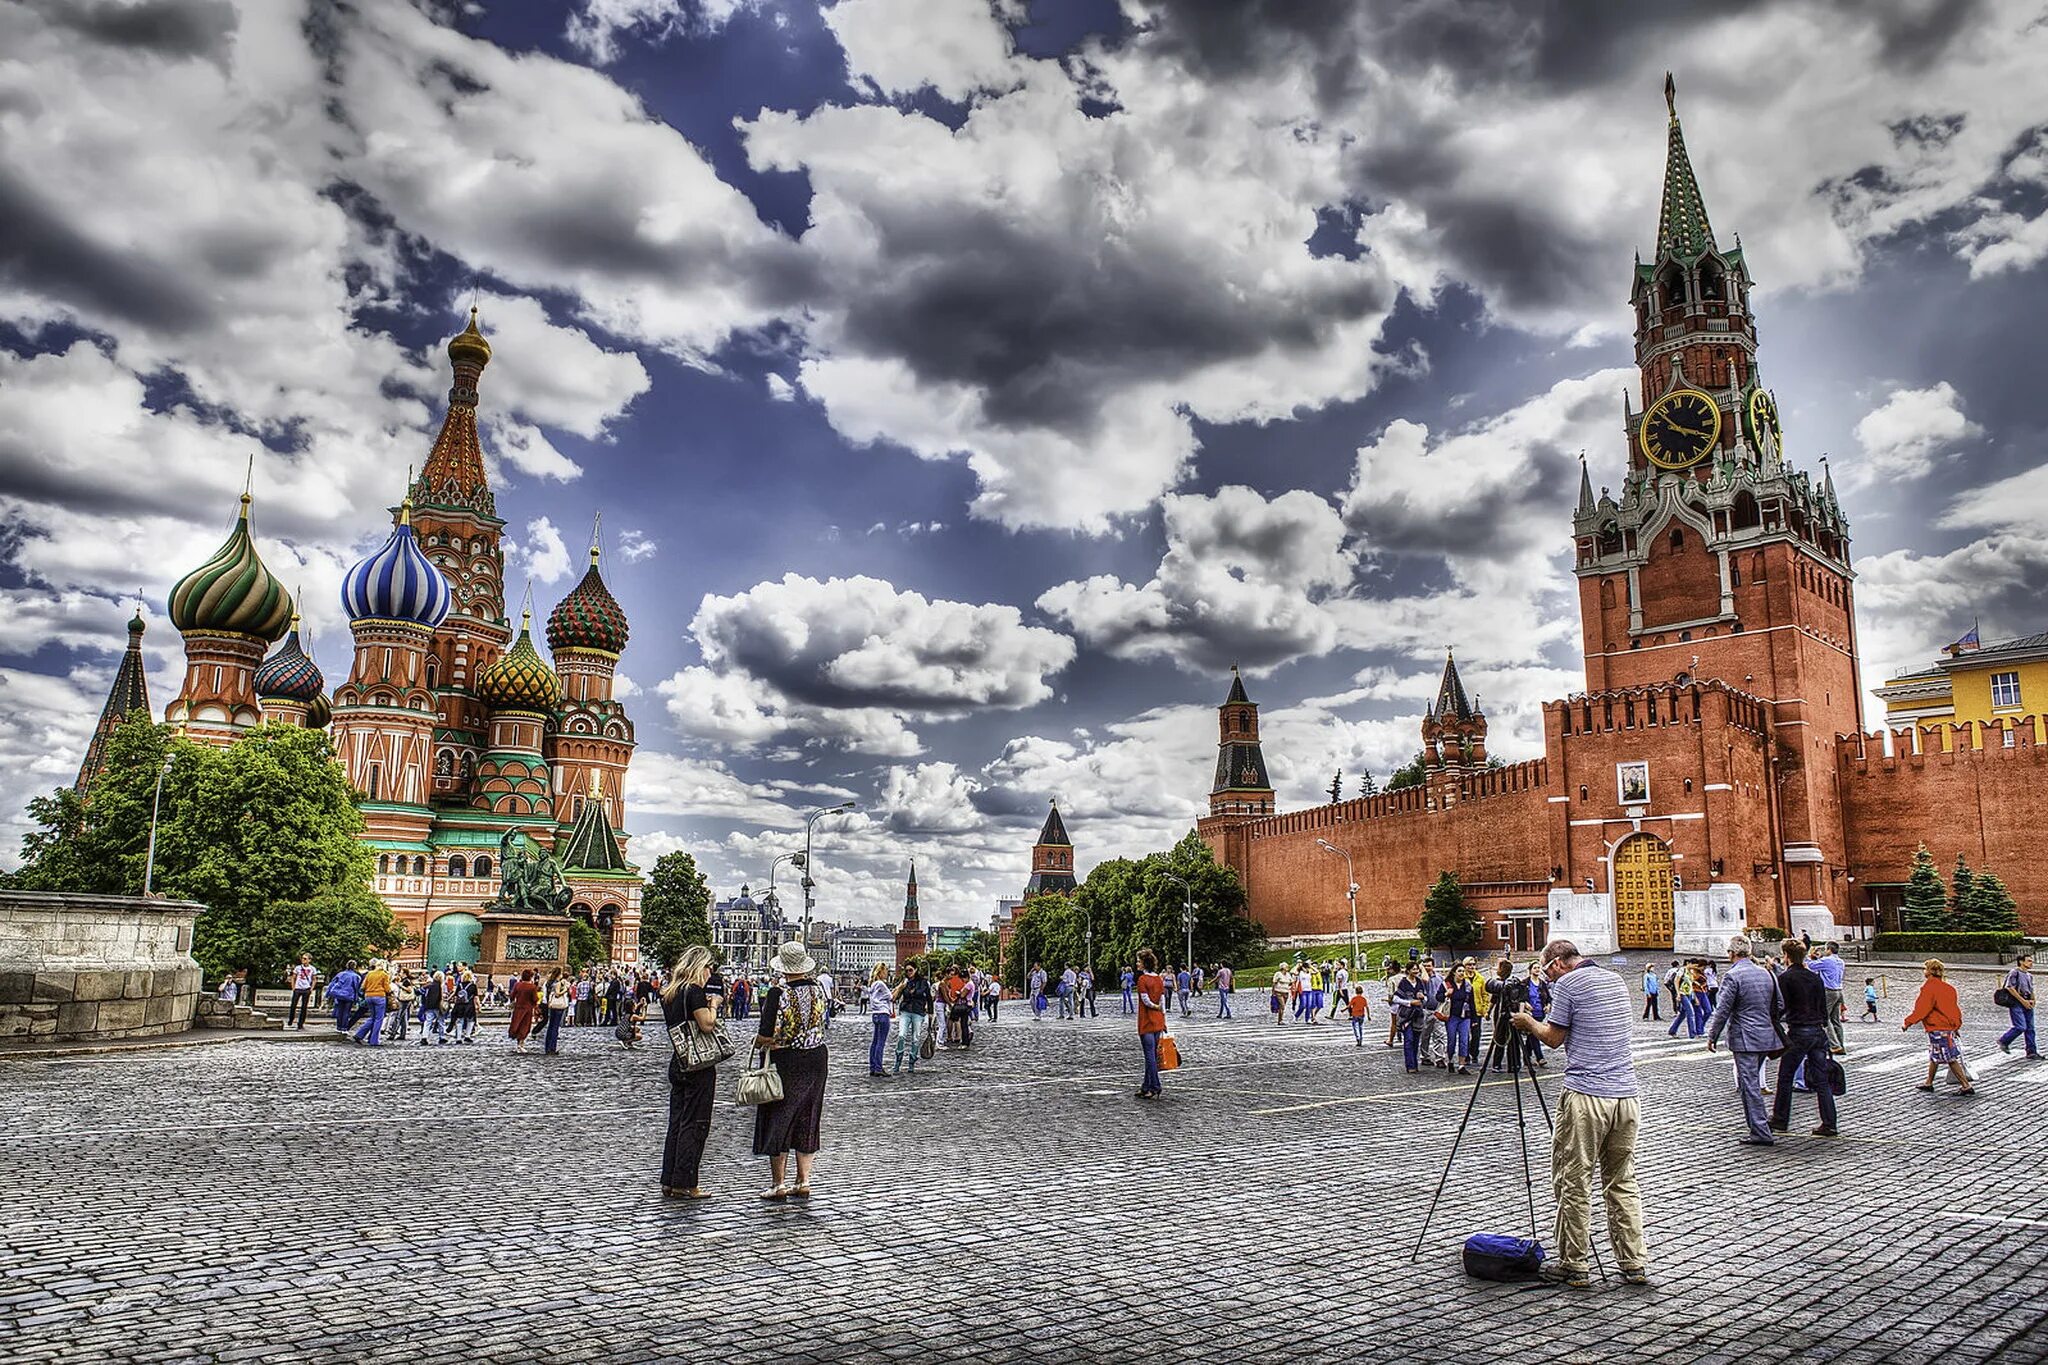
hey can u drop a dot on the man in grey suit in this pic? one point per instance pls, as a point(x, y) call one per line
point(1744, 1010)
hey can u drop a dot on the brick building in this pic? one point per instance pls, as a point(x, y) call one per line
point(1713, 774)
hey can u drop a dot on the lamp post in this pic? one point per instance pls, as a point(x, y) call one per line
point(1187, 916)
point(155, 803)
point(778, 861)
point(810, 820)
point(1088, 937)
point(1350, 893)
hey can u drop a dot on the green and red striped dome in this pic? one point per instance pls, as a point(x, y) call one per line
point(232, 592)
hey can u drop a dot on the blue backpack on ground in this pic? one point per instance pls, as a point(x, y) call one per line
point(1497, 1256)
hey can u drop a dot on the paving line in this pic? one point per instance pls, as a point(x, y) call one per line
point(2007, 1219)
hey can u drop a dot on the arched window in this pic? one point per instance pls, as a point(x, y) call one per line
point(383, 864)
point(458, 866)
point(1734, 574)
point(483, 866)
point(433, 672)
point(376, 780)
point(1677, 540)
point(419, 867)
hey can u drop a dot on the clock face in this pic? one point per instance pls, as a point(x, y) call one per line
point(1680, 429)
point(1761, 414)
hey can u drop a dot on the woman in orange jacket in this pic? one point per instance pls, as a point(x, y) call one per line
point(1942, 1014)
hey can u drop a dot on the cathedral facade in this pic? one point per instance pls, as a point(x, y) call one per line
point(1714, 773)
point(458, 736)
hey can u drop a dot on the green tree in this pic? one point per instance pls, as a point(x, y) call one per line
point(1408, 774)
point(675, 910)
point(1959, 893)
point(1366, 786)
point(1337, 787)
point(1990, 908)
point(1926, 908)
point(343, 924)
point(249, 831)
point(586, 945)
point(1447, 922)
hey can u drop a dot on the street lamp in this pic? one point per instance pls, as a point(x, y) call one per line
point(1350, 892)
point(1187, 915)
point(778, 861)
point(1088, 937)
point(155, 803)
point(809, 820)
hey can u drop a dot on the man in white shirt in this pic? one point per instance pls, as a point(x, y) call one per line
point(301, 978)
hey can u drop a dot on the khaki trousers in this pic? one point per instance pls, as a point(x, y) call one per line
point(1596, 1134)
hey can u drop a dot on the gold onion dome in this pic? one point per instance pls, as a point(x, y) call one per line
point(589, 617)
point(290, 673)
point(318, 712)
point(521, 679)
point(469, 344)
point(232, 592)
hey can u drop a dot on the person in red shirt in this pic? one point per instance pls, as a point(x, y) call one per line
point(1151, 1020)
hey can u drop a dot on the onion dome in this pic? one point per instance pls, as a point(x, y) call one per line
point(520, 680)
point(469, 346)
point(232, 592)
point(290, 674)
point(318, 712)
point(589, 617)
point(399, 582)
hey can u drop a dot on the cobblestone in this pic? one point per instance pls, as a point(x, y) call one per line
point(302, 1200)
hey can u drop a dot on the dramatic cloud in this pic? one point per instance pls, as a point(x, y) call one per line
point(1243, 580)
point(952, 47)
point(542, 555)
point(1901, 438)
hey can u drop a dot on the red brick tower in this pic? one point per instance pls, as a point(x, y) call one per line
point(1241, 786)
point(591, 740)
point(1052, 858)
point(1718, 560)
point(910, 937)
point(1453, 738)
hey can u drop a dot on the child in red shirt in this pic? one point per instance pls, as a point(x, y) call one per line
point(1359, 1012)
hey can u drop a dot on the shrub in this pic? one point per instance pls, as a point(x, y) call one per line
point(1934, 945)
point(1769, 934)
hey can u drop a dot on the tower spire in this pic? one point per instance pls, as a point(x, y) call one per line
point(453, 475)
point(130, 692)
point(1585, 487)
point(1682, 227)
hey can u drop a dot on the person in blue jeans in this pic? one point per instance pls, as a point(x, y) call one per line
point(342, 993)
point(1130, 1007)
point(881, 1006)
point(1152, 992)
point(2019, 985)
point(1463, 1008)
point(914, 1005)
point(1653, 994)
point(1183, 980)
point(376, 992)
point(1408, 1013)
point(1225, 980)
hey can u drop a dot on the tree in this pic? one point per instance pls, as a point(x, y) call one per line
point(1366, 786)
point(586, 945)
point(249, 831)
point(675, 909)
point(1337, 787)
point(1447, 922)
point(1408, 774)
point(1959, 892)
point(1990, 908)
point(1926, 908)
point(344, 924)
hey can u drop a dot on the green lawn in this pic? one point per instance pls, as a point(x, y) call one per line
point(1370, 952)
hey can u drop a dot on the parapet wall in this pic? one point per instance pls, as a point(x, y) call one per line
point(85, 968)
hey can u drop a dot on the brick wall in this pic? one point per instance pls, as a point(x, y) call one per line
point(1958, 791)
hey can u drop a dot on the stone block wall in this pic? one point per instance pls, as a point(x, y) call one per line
point(84, 968)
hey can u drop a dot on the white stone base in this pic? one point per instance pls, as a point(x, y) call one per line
point(1702, 921)
point(1586, 918)
point(1817, 921)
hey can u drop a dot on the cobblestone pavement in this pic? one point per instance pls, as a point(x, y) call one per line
point(303, 1200)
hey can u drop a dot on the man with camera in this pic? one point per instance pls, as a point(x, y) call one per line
point(1590, 1017)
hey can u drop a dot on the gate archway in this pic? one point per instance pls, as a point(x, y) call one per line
point(1642, 893)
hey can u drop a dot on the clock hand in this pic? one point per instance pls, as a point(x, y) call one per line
point(1690, 431)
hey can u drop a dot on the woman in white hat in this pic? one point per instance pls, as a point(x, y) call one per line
point(793, 1019)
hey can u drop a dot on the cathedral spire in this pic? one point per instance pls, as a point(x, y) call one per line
point(1682, 227)
point(453, 476)
point(1586, 483)
point(1451, 702)
point(130, 692)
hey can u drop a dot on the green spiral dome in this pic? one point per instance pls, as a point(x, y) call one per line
point(233, 591)
point(521, 679)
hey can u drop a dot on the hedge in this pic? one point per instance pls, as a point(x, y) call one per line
point(1944, 943)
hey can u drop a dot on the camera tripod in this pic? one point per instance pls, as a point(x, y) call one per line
point(1507, 1050)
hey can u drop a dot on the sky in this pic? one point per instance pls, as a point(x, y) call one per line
point(966, 385)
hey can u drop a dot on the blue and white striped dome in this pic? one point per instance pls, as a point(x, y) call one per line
point(398, 583)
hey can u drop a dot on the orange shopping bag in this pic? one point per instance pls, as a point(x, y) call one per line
point(1169, 1053)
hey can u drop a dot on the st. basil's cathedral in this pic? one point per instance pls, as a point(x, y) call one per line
point(456, 734)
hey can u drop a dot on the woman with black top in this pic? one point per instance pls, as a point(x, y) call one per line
point(793, 1033)
point(684, 1000)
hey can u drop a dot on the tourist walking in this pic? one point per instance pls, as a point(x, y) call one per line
point(1151, 1021)
point(1358, 1007)
point(881, 1004)
point(1409, 1012)
point(1462, 1007)
point(403, 994)
point(525, 1005)
point(684, 1001)
point(1181, 979)
point(1085, 1004)
point(1129, 980)
point(1804, 999)
point(431, 993)
point(793, 1019)
point(1938, 1011)
point(342, 993)
point(914, 1012)
point(1869, 1000)
point(1226, 981)
point(1747, 1012)
point(462, 1005)
point(2019, 1005)
point(1597, 1115)
point(1826, 963)
point(1653, 993)
point(301, 978)
point(1434, 1018)
point(376, 1000)
point(560, 996)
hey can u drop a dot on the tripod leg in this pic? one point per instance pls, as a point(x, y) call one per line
point(1592, 1242)
point(1522, 1124)
point(1440, 1180)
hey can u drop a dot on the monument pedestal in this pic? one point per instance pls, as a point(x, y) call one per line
point(514, 940)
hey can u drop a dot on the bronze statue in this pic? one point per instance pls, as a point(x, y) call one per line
point(530, 880)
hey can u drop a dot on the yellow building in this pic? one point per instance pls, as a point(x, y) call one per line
point(1973, 683)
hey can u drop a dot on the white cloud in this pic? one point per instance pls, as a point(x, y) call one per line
point(1902, 437)
point(597, 26)
point(669, 785)
point(542, 553)
point(635, 546)
point(898, 47)
point(555, 376)
point(1243, 580)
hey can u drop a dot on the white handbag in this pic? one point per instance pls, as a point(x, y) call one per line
point(759, 1084)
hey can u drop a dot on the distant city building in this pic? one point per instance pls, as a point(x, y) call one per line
point(1004, 924)
point(821, 933)
point(1973, 683)
point(746, 932)
point(857, 948)
point(950, 938)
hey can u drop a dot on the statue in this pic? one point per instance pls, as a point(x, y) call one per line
point(530, 880)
